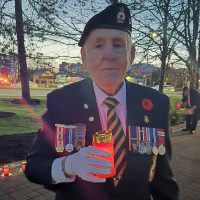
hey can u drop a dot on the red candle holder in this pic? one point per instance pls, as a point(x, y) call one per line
point(6, 170)
point(104, 140)
point(23, 165)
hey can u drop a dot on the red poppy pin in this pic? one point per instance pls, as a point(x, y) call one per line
point(147, 104)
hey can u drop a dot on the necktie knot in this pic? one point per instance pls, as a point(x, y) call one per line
point(111, 102)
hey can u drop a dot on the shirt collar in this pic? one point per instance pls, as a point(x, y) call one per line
point(101, 96)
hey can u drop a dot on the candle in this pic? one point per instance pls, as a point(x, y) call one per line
point(6, 170)
point(23, 165)
point(104, 140)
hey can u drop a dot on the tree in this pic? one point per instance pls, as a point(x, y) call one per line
point(156, 27)
point(155, 33)
point(188, 33)
point(21, 52)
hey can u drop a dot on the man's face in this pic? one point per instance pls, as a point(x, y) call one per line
point(106, 55)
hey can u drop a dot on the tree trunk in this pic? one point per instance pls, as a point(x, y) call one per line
point(165, 49)
point(21, 51)
point(162, 76)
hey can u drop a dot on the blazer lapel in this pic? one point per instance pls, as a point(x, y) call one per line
point(134, 114)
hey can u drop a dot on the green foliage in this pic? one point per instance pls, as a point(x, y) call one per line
point(27, 118)
point(175, 116)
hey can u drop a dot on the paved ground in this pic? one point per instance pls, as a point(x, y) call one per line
point(185, 164)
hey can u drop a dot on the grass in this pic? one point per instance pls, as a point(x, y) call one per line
point(27, 118)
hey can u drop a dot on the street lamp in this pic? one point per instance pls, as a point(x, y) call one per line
point(153, 34)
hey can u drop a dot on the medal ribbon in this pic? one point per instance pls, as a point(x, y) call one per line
point(155, 137)
point(70, 134)
point(161, 135)
point(138, 134)
point(144, 135)
point(132, 136)
point(59, 138)
point(148, 134)
point(141, 134)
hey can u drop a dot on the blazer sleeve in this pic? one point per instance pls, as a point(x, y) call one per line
point(195, 99)
point(42, 154)
point(164, 185)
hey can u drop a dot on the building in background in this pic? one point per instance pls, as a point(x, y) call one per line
point(9, 68)
point(144, 74)
point(44, 77)
point(72, 69)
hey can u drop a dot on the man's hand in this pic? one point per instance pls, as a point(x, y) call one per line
point(84, 164)
point(194, 108)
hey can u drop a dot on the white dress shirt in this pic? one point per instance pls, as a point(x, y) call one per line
point(121, 110)
point(103, 109)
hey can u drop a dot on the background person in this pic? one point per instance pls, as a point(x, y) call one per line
point(106, 101)
point(191, 99)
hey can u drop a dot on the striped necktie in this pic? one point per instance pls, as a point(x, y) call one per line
point(114, 125)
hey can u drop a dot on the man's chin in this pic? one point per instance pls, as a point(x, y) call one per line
point(110, 85)
point(111, 81)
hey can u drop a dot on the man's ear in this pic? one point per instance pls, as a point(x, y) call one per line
point(132, 54)
point(83, 56)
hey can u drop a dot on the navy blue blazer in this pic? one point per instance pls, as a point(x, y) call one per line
point(66, 106)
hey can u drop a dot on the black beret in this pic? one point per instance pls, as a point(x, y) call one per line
point(115, 16)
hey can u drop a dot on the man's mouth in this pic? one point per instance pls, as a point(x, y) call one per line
point(109, 69)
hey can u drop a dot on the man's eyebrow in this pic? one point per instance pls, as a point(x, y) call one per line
point(118, 39)
point(99, 39)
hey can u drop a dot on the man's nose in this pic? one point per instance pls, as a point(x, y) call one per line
point(109, 52)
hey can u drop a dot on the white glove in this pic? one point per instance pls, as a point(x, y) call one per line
point(85, 165)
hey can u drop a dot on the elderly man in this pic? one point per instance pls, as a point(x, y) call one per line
point(63, 158)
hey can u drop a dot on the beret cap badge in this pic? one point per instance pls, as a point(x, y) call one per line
point(121, 16)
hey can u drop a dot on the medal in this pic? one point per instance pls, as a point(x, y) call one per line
point(132, 139)
point(148, 148)
point(80, 132)
point(69, 147)
point(141, 148)
point(148, 139)
point(161, 137)
point(155, 150)
point(161, 150)
point(154, 138)
point(59, 137)
point(134, 146)
point(69, 138)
